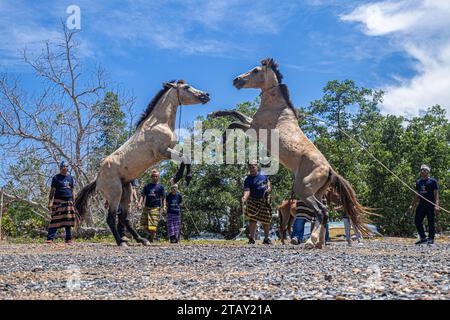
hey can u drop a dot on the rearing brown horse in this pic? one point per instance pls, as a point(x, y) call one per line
point(313, 174)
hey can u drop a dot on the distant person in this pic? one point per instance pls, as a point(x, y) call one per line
point(60, 204)
point(427, 187)
point(256, 195)
point(153, 194)
point(173, 203)
point(334, 197)
point(348, 225)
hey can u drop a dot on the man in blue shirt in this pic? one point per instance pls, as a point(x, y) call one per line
point(60, 203)
point(153, 194)
point(173, 202)
point(256, 195)
point(427, 187)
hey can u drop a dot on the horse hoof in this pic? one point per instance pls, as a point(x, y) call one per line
point(145, 242)
point(319, 246)
point(309, 245)
point(123, 244)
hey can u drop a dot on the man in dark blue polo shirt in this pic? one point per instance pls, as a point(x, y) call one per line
point(427, 187)
point(154, 195)
point(256, 195)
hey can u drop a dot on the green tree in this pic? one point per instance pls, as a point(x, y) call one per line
point(112, 126)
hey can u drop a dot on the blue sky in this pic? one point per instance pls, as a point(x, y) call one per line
point(400, 46)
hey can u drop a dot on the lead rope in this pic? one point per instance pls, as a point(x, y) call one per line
point(243, 222)
point(179, 117)
point(192, 219)
point(376, 159)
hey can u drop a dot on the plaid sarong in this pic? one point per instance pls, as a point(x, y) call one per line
point(259, 209)
point(150, 218)
point(305, 212)
point(63, 214)
point(174, 225)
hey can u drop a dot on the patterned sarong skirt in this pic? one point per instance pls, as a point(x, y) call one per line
point(63, 214)
point(305, 212)
point(150, 218)
point(259, 210)
point(174, 225)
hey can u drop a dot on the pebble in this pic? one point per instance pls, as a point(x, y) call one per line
point(386, 269)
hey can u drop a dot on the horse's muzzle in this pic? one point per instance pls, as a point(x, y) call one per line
point(238, 83)
point(204, 98)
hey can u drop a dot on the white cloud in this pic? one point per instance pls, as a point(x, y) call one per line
point(421, 28)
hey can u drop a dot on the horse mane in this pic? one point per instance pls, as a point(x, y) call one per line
point(153, 103)
point(283, 88)
point(275, 67)
point(287, 97)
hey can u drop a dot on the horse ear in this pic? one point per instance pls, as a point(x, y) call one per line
point(267, 62)
point(169, 84)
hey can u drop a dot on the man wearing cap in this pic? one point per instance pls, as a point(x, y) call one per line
point(427, 187)
point(153, 193)
point(60, 203)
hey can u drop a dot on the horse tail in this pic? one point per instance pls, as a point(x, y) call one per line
point(82, 199)
point(357, 213)
point(280, 216)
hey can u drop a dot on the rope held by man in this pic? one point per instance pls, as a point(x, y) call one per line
point(377, 160)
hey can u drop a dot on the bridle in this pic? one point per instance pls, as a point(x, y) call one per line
point(267, 89)
point(178, 96)
point(179, 118)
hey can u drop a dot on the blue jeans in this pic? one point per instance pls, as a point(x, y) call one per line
point(298, 228)
point(52, 233)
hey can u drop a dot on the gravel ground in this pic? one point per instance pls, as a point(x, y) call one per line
point(382, 269)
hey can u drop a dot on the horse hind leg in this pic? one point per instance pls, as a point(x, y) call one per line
point(322, 226)
point(306, 187)
point(317, 238)
point(111, 220)
point(112, 192)
point(124, 216)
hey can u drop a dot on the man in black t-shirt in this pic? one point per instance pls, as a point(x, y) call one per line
point(153, 196)
point(60, 203)
point(427, 187)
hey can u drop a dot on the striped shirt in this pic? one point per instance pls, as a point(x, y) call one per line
point(303, 211)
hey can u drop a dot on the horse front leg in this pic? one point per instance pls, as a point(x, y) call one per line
point(179, 173)
point(231, 113)
point(233, 126)
point(185, 161)
point(188, 174)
